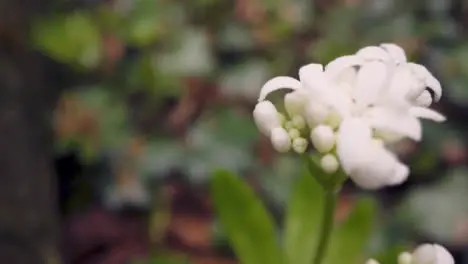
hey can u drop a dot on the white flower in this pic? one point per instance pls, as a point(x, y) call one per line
point(367, 162)
point(424, 254)
point(431, 254)
point(352, 109)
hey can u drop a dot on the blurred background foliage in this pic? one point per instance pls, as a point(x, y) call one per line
point(158, 93)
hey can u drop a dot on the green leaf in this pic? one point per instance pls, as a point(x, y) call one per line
point(351, 237)
point(248, 225)
point(303, 219)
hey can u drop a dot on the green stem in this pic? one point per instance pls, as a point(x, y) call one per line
point(327, 225)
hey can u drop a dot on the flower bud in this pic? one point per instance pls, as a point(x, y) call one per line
point(280, 139)
point(424, 100)
point(329, 163)
point(432, 254)
point(372, 261)
point(298, 122)
point(294, 133)
point(316, 113)
point(405, 258)
point(294, 103)
point(266, 117)
point(323, 138)
point(300, 145)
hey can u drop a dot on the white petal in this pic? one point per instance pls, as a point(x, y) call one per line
point(426, 113)
point(294, 102)
point(424, 100)
point(347, 76)
point(377, 172)
point(353, 136)
point(443, 256)
point(370, 82)
point(337, 65)
point(280, 139)
point(313, 77)
point(395, 121)
point(425, 254)
point(429, 80)
point(400, 175)
point(395, 51)
point(316, 113)
point(403, 83)
point(266, 117)
point(432, 254)
point(278, 83)
point(366, 162)
point(372, 53)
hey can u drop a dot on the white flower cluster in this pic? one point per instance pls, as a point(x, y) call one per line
point(351, 110)
point(424, 254)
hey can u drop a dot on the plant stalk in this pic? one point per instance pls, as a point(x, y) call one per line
point(327, 225)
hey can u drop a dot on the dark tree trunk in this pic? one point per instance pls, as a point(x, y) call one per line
point(28, 223)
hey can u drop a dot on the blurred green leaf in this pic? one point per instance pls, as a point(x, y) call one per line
point(248, 225)
point(351, 237)
point(73, 39)
point(303, 219)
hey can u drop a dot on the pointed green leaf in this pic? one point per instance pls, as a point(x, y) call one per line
point(248, 225)
point(351, 237)
point(303, 219)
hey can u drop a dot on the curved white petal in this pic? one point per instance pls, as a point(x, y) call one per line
point(294, 102)
point(266, 117)
point(395, 121)
point(402, 83)
point(366, 162)
point(339, 101)
point(278, 83)
point(424, 100)
point(429, 80)
point(378, 172)
point(353, 135)
point(336, 66)
point(370, 82)
point(372, 53)
point(443, 256)
point(395, 51)
point(427, 113)
point(432, 254)
point(313, 77)
point(400, 174)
